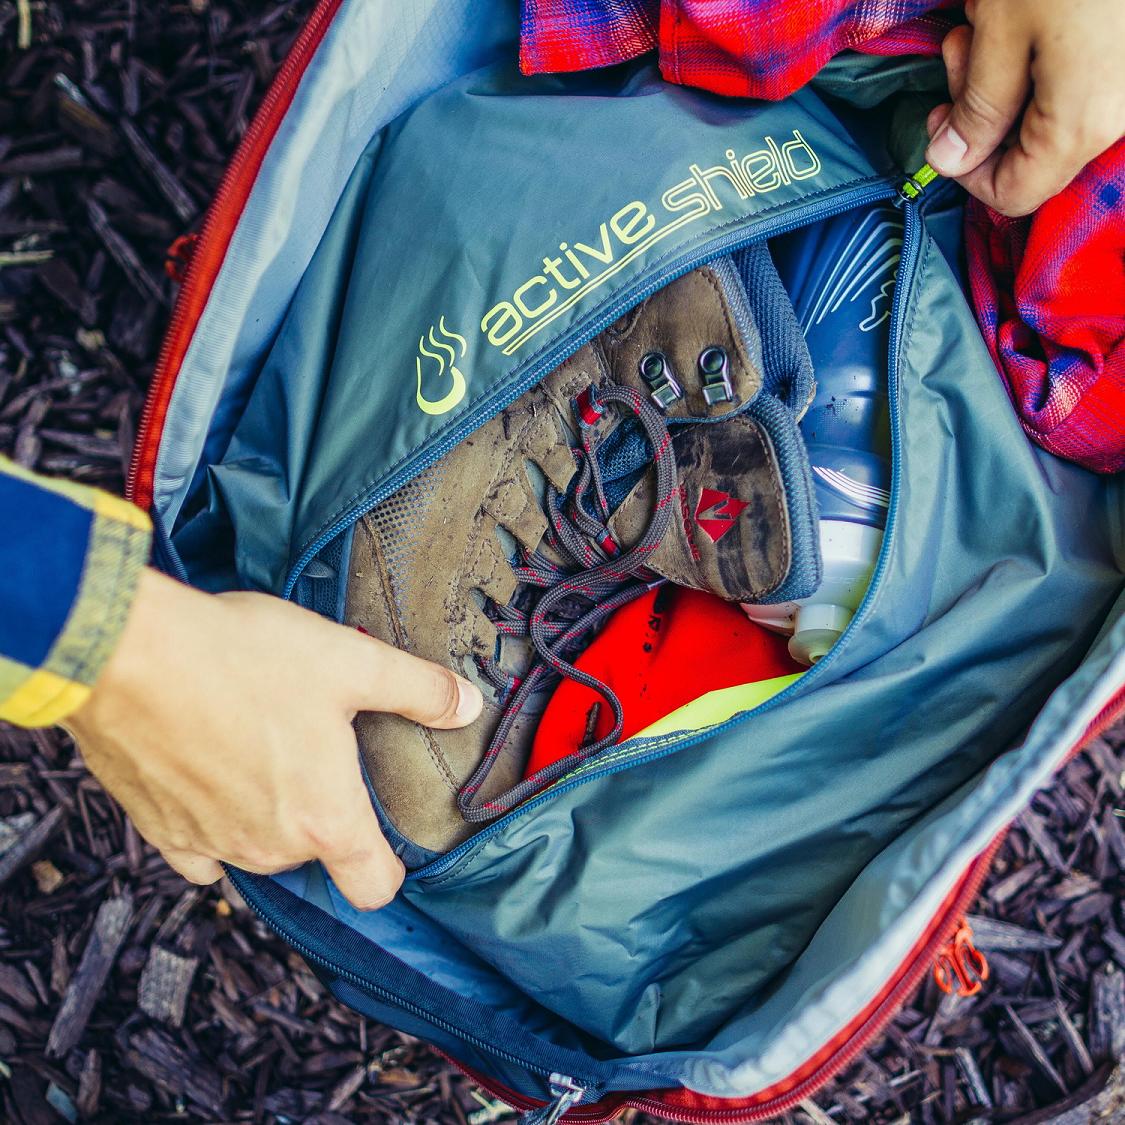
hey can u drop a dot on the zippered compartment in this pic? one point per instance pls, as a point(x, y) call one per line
point(884, 552)
point(627, 754)
point(451, 869)
point(334, 542)
point(638, 750)
point(634, 751)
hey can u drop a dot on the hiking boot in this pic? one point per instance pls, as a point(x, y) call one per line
point(655, 453)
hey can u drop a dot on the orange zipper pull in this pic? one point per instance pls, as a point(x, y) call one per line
point(178, 257)
point(960, 966)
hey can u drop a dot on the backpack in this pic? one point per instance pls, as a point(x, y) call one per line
point(710, 919)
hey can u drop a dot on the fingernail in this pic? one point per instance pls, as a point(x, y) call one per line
point(469, 701)
point(946, 151)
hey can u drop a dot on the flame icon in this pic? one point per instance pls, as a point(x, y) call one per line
point(457, 390)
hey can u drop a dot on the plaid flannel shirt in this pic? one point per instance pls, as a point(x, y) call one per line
point(741, 48)
point(1049, 293)
point(70, 558)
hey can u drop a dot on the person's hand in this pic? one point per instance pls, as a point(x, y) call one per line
point(223, 726)
point(1039, 91)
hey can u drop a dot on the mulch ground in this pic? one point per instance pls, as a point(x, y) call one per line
point(126, 995)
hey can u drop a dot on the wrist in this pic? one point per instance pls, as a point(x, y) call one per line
point(135, 667)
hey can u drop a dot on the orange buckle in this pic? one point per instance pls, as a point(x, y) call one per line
point(179, 255)
point(960, 967)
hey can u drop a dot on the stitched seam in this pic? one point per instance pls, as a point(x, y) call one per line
point(709, 278)
point(732, 331)
point(775, 477)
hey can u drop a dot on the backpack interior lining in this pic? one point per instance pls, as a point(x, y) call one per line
point(944, 673)
point(377, 58)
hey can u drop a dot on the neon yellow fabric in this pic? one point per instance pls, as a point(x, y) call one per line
point(717, 706)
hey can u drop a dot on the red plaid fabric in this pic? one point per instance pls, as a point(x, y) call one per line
point(1049, 291)
point(742, 48)
point(566, 35)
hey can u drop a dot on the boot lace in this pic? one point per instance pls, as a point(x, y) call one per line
point(559, 606)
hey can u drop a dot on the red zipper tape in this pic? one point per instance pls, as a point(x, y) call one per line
point(211, 248)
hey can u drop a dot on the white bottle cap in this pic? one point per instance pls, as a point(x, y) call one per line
point(816, 629)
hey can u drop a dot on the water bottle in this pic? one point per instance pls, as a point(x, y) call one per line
point(840, 275)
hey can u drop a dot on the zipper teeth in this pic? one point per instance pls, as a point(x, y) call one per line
point(942, 929)
point(237, 877)
point(1101, 722)
point(512, 1098)
point(163, 379)
point(874, 190)
point(622, 760)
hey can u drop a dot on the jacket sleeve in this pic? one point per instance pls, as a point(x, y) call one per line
point(70, 559)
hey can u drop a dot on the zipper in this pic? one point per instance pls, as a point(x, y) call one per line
point(247, 156)
point(873, 1027)
point(876, 190)
point(911, 976)
point(912, 187)
point(372, 988)
point(177, 257)
point(566, 1093)
point(628, 755)
point(942, 931)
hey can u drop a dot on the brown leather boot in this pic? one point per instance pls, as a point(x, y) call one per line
point(652, 454)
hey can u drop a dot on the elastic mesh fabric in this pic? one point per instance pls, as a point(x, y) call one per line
point(396, 522)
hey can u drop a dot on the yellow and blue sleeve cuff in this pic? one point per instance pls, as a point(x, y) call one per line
point(70, 560)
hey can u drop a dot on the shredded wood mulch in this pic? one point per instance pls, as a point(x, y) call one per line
point(126, 995)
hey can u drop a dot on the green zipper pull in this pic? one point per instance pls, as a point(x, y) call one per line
point(913, 186)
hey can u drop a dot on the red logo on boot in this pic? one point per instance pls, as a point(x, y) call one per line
point(716, 512)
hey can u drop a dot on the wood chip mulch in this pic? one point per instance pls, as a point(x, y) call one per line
point(128, 996)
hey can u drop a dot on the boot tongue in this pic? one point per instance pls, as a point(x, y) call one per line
point(730, 534)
